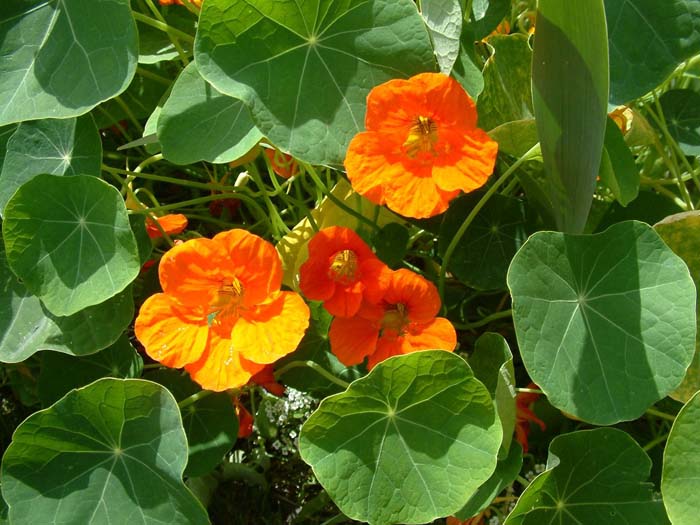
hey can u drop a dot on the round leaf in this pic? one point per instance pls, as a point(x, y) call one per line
point(410, 442)
point(592, 476)
point(210, 423)
point(61, 58)
point(605, 322)
point(69, 240)
point(60, 147)
point(112, 452)
point(305, 69)
point(199, 123)
point(681, 109)
point(444, 21)
point(680, 483)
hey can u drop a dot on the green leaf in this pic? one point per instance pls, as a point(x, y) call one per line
point(210, 423)
point(681, 109)
point(6, 133)
point(465, 70)
point(305, 70)
point(492, 363)
point(444, 21)
point(680, 484)
point(570, 94)
point(391, 243)
point(112, 452)
point(63, 57)
point(681, 232)
point(516, 137)
point(507, 95)
point(507, 470)
point(618, 170)
point(483, 254)
point(648, 39)
point(69, 240)
point(144, 244)
point(60, 147)
point(485, 16)
point(605, 322)
point(199, 123)
point(592, 476)
point(155, 45)
point(408, 443)
point(118, 360)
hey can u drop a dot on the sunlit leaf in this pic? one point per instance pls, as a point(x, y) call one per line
point(305, 69)
point(63, 57)
point(199, 123)
point(570, 94)
point(592, 476)
point(605, 322)
point(444, 21)
point(410, 442)
point(680, 483)
point(69, 240)
point(648, 39)
point(60, 147)
point(112, 452)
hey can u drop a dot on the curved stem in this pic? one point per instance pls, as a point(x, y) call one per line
point(659, 414)
point(314, 366)
point(486, 320)
point(194, 398)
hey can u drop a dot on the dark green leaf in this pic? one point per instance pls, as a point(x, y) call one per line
point(143, 241)
point(60, 147)
point(648, 39)
point(570, 93)
point(112, 452)
point(485, 16)
point(592, 476)
point(605, 322)
point(199, 123)
point(61, 58)
point(465, 70)
point(69, 240)
point(681, 109)
point(305, 70)
point(618, 170)
point(391, 243)
point(410, 442)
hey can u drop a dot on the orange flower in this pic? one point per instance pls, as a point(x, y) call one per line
point(403, 321)
point(524, 414)
point(341, 270)
point(282, 164)
point(421, 146)
point(245, 420)
point(171, 224)
point(221, 314)
point(266, 379)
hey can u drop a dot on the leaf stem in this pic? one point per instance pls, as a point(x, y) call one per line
point(658, 413)
point(656, 441)
point(486, 320)
point(314, 366)
point(194, 398)
point(144, 19)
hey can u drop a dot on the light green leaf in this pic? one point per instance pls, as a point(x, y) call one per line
point(408, 443)
point(592, 476)
point(507, 95)
point(605, 322)
point(63, 57)
point(5, 133)
point(118, 360)
point(617, 169)
point(648, 39)
point(199, 123)
point(69, 240)
point(681, 109)
point(680, 483)
point(112, 452)
point(681, 232)
point(483, 254)
point(465, 70)
point(444, 21)
point(60, 147)
point(570, 94)
point(305, 69)
point(492, 363)
point(210, 423)
point(516, 137)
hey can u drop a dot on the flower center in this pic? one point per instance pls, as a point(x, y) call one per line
point(344, 267)
point(228, 298)
point(394, 321)
point(422, 137)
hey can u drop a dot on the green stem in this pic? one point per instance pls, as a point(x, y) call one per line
point(194, 398)
point(656, 441)
point(140, 17)
point(156, 78)
point(658, 413)
point(279, 228)
point(486, 320)
point(171, 35)
point(523, 481)
point(472, 215)
point(171, 180)
point(314, 366)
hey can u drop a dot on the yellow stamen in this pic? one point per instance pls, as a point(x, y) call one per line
point(422, 137)
point(344, 267)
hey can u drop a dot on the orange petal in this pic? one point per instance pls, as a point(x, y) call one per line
point(471, 163)
point(346, 300)
point(254, 261)
point(416, 196)
point(419, 295)
point(221, 366)
point(169, 333)
point(449, 104)
point(386, 347)
point(172, 224)
point(438, 334)
point(376, 277)
point(368, 166)
point(314, 281)
point(271, 330)
point(352, 339)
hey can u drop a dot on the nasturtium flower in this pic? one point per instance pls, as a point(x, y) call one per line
point(172, 224)
point(421, 147)
point(524, 415)
point(221, 315)
point(402, 321)
point(282, 164)
point(342, 270)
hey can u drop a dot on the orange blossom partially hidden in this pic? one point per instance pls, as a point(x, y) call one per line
point(524, 415)
point(421, 147)
point(172, 224)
